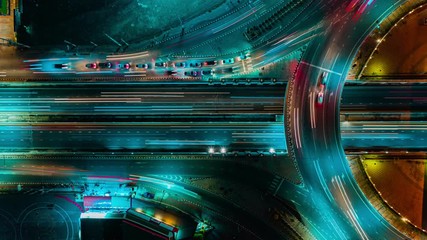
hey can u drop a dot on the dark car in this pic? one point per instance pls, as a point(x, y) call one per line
point(92, 65)
point(243, 56)
point(171, 73)
point(180, 64)
point(192, 73)
point(207, 72)
point(196, 64)
point(161, 64)
point(210, 63)
point(61, 66)
point(228, 61)
point(142, 65)
point(148, 195)
point(105, 65)
point(123, 65)
point(226, 70)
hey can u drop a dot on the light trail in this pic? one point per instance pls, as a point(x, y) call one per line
point(127, 56)
point(350, 210)
point(51, 59)
point(95, 72)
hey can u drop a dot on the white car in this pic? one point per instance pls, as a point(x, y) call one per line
point(320, 97)
point(323, 78)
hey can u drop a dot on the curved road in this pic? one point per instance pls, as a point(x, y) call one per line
point(316, 135)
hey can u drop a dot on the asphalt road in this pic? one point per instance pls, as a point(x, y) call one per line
point(239, 118)
point(329, 201)
point(344, 211)
point(373, 113)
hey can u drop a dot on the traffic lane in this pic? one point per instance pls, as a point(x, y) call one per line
point(184, 91)
point(222, 99)
point(76, 166)
point(383, 134)
point(165, 136)
point(365, 218)
point(341, 226)
point(333, 225)
point(384, 97)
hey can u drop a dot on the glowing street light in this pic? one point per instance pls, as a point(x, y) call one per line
point(211, 150)
point(223, 150)
point(271, 150)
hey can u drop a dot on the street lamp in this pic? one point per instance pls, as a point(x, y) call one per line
point(271, 150)
point(223, 150)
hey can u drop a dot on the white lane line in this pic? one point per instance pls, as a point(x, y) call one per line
point(296, 128)
point(321, 68)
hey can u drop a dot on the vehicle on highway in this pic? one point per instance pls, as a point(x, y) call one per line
point(228, 61)
point(92, 65)
point(243, 56)
point(225, 70)
point(123, 66)
point(148, 195)
point(196, 64)
point(180, 65)
point(320, 97)
point(210, 63)
point(143, 65)
point(171, 72)
point(161, 64)
point(207, 72)
point(323, 78)
point(192, 73)
point(105, 65)
point(61, 65)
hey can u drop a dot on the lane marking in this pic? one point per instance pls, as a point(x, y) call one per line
point(321, 68)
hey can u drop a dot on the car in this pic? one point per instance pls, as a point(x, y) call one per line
point(228, 61)
point(61, 66)
point(196, 64)
point(171, 72)
point(123, 66)
point(243, 56)
point(148, 195)
point(160, 64)
point(105, 65)
point(210, 63)
point(92, 65)
point(180, 64)
point(320, 97)
point(323, 78)
point(142, 65)
point(192, 73)
point(207, 72)
point(225, 70)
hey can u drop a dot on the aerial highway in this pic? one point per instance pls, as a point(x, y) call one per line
point(171, 118)
point(317, 147)
point(195, 104)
